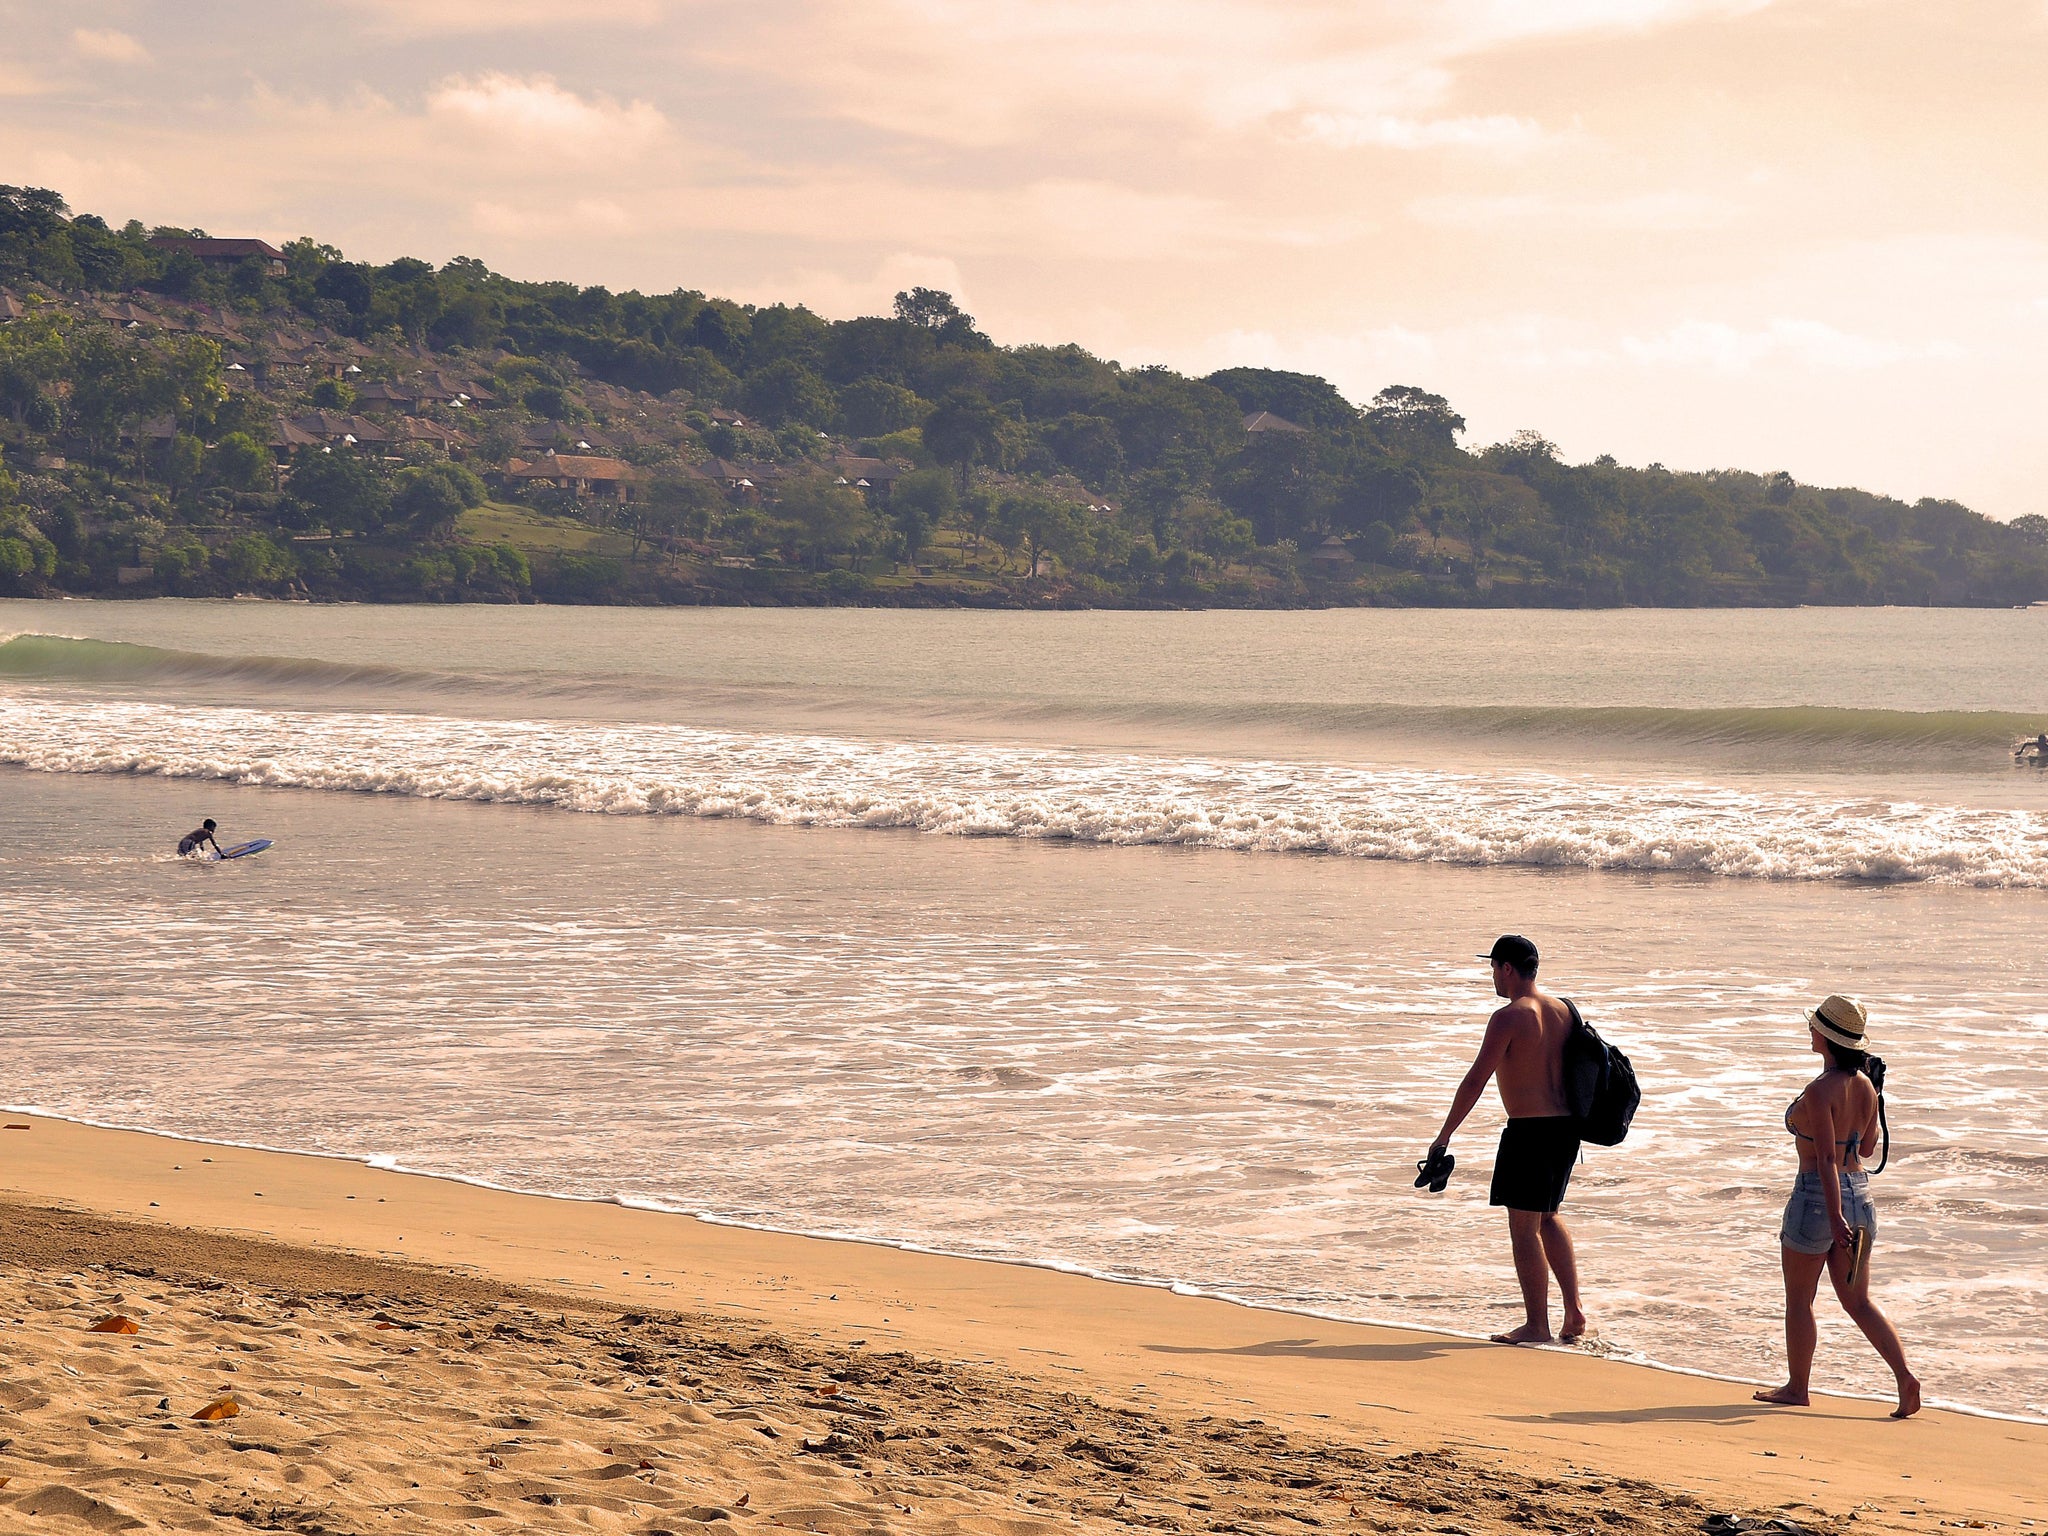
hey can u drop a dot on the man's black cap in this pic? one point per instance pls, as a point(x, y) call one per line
point(1515, 950)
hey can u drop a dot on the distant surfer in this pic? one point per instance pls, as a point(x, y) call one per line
point(191, 842)
point(2039, 746)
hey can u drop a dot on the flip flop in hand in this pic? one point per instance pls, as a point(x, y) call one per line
point(1435, 1170)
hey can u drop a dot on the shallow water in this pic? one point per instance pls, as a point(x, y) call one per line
point(1111, 1023)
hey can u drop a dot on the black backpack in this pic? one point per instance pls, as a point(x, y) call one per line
point(1599, 1084)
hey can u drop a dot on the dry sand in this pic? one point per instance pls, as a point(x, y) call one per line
point(414, 1354)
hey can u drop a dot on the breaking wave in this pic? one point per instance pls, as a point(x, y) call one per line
point(1843, 738)
point(1074, 794)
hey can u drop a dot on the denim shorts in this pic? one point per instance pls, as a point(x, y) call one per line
point(1805, 1227)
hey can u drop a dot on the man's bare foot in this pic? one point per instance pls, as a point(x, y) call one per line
point(1909, 1398)
point(1528, 1333)
point(1574, 1327)
point(1784, 1397)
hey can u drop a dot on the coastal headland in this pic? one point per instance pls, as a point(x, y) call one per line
point(422, 1354)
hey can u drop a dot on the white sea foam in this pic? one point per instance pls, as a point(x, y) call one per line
point(1085, 795)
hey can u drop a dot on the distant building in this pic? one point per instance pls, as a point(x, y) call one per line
point(1332, 554)
point(340, 430)
point(873, 478)
point(224, 254)
point(1266, 421)
point(582, 474)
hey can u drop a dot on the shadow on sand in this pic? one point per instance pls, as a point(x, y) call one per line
point(1309, 1349)
point(1685, 1413)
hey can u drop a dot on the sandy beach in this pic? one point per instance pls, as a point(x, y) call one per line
point(418, 1354)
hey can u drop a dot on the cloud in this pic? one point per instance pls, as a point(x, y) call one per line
point(1724, 348)
point(1347, 130)
point(108, 46)
point(1667, 211)
point(16, 81)
point(428, 18)
point(584, 216)
point(1486, 23)
point(535, 110)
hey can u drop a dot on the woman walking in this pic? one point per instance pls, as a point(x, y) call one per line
point(1829, 1221)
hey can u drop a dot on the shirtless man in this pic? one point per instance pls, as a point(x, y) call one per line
point(1523, 1053)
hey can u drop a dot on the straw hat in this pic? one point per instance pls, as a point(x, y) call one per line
point(1841, 1020)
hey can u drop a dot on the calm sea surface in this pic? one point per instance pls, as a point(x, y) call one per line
point(1138, 943)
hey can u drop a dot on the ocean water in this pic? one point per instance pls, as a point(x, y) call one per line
point(1136, 943)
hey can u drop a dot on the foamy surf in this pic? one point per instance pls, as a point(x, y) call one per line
point(1072, 794)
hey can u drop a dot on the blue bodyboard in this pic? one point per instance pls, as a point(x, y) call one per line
point(243, 850)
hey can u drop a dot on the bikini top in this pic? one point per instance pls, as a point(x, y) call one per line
point(1847, 1141)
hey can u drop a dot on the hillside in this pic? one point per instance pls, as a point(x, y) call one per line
point(192, 416)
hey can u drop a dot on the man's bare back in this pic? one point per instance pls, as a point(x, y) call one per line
point(1530, 1073)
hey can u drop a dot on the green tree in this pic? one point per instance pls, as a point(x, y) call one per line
point(1415, 421)
point(338, 489)
point(964, 430)
point(1302, 398)
point(787, 393)
point(1276, 483)
point(874, 408)
point(1088, 445)
point(253, 562)
point(432, 497)
point(106, 389)
point(332, 395)
point(241, 463)
point(932, 310)
point(921, 501)
point(828, 520)
point(30, 218)
point(184, 459)
point(679, 504)
point(1044, 524)
point(33, 357)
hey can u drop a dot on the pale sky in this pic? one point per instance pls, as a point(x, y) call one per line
point(1769, 234)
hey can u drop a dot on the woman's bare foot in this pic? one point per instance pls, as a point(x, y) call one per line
point(1787, 1396)
point(1909, 1398)
point(1574, 1327)
point(1528, 1333)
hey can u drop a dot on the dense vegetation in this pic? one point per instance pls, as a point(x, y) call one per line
point(159, 433)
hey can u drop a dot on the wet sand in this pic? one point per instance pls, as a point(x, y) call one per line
point(414, 1354)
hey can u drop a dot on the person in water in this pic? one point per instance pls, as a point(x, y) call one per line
point(190, 843)
point(1829, 1221)
point(1523, 1052)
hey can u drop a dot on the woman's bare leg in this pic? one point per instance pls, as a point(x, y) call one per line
point(1802, 1282)
point(1877, 1328)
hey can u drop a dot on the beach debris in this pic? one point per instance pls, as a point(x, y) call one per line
point(13, 1127)
point(494, 1461)
point(220, 1408)
point(115, 1323)
point(741, 1501)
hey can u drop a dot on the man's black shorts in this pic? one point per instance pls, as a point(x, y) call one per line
point(1534, 1163)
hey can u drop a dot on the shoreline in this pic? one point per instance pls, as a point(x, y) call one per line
point(1127, 1347)
point(1168, 1284)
